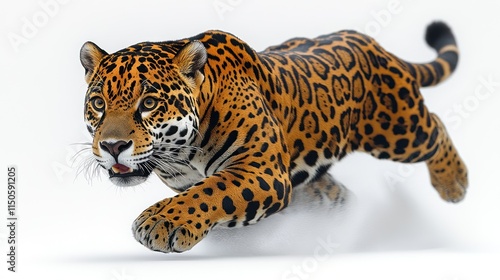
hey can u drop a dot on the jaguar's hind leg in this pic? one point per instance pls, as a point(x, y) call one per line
point(323, 192)
point(430, 143)
point(418, 136)
point(447, 170)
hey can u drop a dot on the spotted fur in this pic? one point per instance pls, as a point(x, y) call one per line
point(235, 132)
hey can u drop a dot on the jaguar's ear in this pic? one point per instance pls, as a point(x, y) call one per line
point(191, 58)
point(90, 56)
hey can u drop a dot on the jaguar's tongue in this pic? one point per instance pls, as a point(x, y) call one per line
point(121, 169)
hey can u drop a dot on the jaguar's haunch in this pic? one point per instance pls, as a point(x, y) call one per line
point(241, 134)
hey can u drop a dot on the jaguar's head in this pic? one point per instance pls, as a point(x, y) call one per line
point(140, 106)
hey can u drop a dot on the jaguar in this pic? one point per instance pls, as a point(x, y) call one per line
point(239, 134)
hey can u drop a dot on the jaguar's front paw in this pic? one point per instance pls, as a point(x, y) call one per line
point(159, 234)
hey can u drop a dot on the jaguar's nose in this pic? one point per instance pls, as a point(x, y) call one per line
point(115, 148)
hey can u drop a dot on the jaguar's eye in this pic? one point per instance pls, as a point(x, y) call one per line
point(98, 104)
point(149, 103)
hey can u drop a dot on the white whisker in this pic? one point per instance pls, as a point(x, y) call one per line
point(175, 146)
point(162, 162)
point(85, 162)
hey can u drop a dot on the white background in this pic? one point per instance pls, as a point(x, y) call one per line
point(397, 229)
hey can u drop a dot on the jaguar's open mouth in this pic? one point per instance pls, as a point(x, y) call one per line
point(120, 169)
point(123, 175)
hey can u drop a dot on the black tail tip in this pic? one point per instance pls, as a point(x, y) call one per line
point(439, 35)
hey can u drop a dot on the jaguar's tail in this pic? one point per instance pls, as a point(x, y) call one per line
point(440, 38)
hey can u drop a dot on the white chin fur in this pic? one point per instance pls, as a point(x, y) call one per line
point(128, 181)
